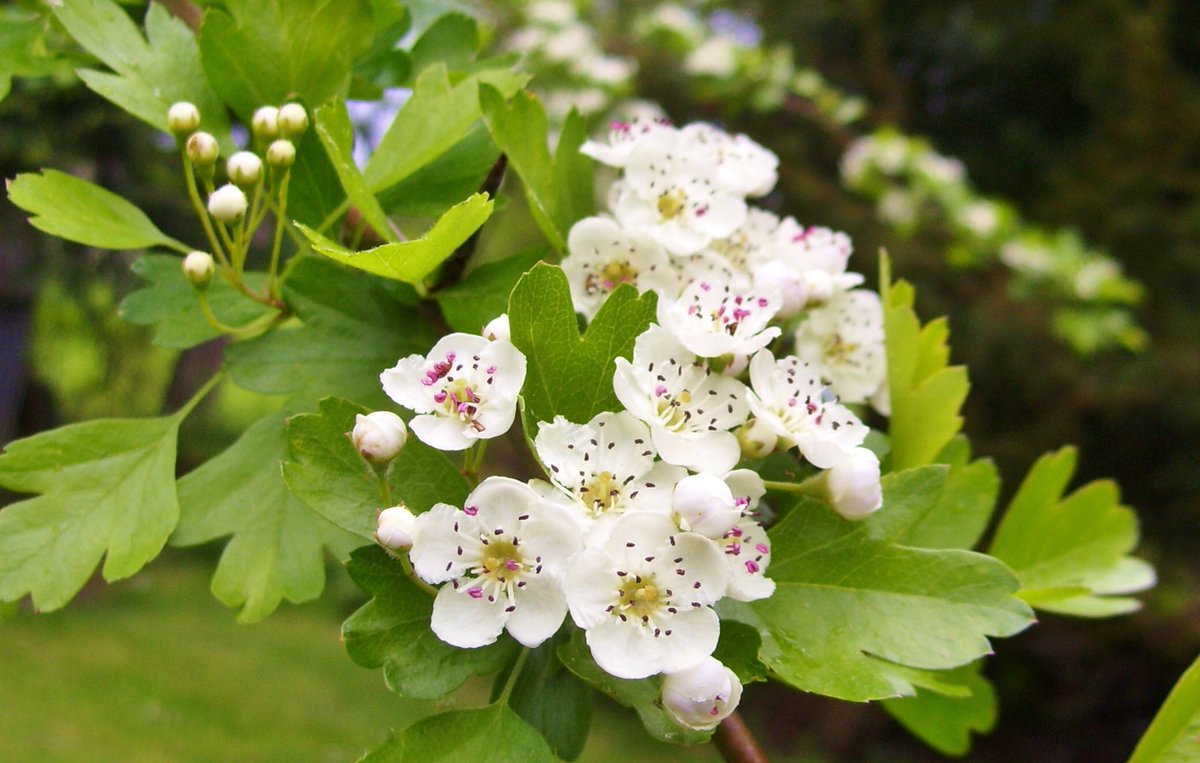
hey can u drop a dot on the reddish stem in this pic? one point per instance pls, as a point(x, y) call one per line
point(737, 743)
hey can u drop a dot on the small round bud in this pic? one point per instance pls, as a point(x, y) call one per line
point(757, 439)
point(379, 436)
point(701, 696)
point(281, 153)
point(244, 168)
point(198, 267)
point(265, 123)
point(202, 149)
point(853, 484)
point(227, 203)
point(183, 118)
point(293, 120)
point(396, 528)
point(704, 504)
point(498, 329)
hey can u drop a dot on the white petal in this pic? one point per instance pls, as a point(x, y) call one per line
point(703, 563)
point(442, 432)
point(713, 452)
point(694, 634)
point(463, 621)
point(434, 553)
point(402, 383)
point(625, 650)
point(510, 369)
point(591, 587)
point(501, 501)
point(540, 609)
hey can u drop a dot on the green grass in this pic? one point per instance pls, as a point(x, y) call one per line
point(154, 669)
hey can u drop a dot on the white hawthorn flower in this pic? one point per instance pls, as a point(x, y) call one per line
point(809, 267)
point(466, 389)
point(602, 255)
point(747, 552)
point(689, 408)
point(715, 57)
point(788, 396)
point(607, 467)
point(744, 168)
point(644, 597)
point(712, 320)
point(674, 193)
point(396, 528)
point(622, 138)
point(753, 244)
point(853, 484)
point(379, 436)
point(704, 504)
point(844, 341)
point(503, 555)
point(703, 695)
point(198, 267)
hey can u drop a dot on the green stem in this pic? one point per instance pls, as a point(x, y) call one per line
point(473, 460)
point(512, 677)
point(277, 244)
point(332, 217)
point(381, 478)
point(207, 387)
point(812, 486)
point(189, 175)
point(408, 570)
point(258, 326)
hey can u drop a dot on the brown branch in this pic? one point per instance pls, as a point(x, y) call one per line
point(737, 743)
point(186, 11)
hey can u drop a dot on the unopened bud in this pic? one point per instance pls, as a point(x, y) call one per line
point(853, 484)
point(281, 153)
point(379, 436)
point(704, 504)
point(198, 267)
point(265, 123)
point(701, 696)
point(183, 118)
point(202, 149)
point(293, 120)
point(227, 203)
point(498, 329)
point(396, 528)
point(244, 169)
point(757, 439)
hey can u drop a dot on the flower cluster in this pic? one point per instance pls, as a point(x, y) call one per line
point(645, 521)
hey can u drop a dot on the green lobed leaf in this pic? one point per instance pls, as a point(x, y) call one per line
point(946, 723)
point(641, 694)
point(353, 327)
point(445, 181)
point(937, 506)
point(568, 374)
point(551, 698)
point(435, 119)
point(314, 190)
point(411, 261)
point(559, 189)
point(68, 207)
point(1071, 554)
point(493, 733)
point(22, 47)
point(846, 601)
point(263, 52)
point(148, 73)
point(328, 474)
point(483, 294)
point(1174, 735)
point(926, 393)
point(392, 631)
point(168, 302)
point(738, 648)
point(333, 127)
point(453, 40)
point(106, 487)
point(275, 549)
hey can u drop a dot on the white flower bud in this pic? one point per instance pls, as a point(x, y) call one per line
point(244, 168)
point(397, 528)
point(379, 436)
point(704, 504)
point(202, 149)
point(757, 439)
point(281, 153)
point(198, 267)
point(265, 123)
point(498, 329)
point(853, 484)
point(702, 696)
point(293, 120)
point(227, 203)
point(183, 118)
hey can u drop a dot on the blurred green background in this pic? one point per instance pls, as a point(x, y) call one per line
point(1083, 113)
